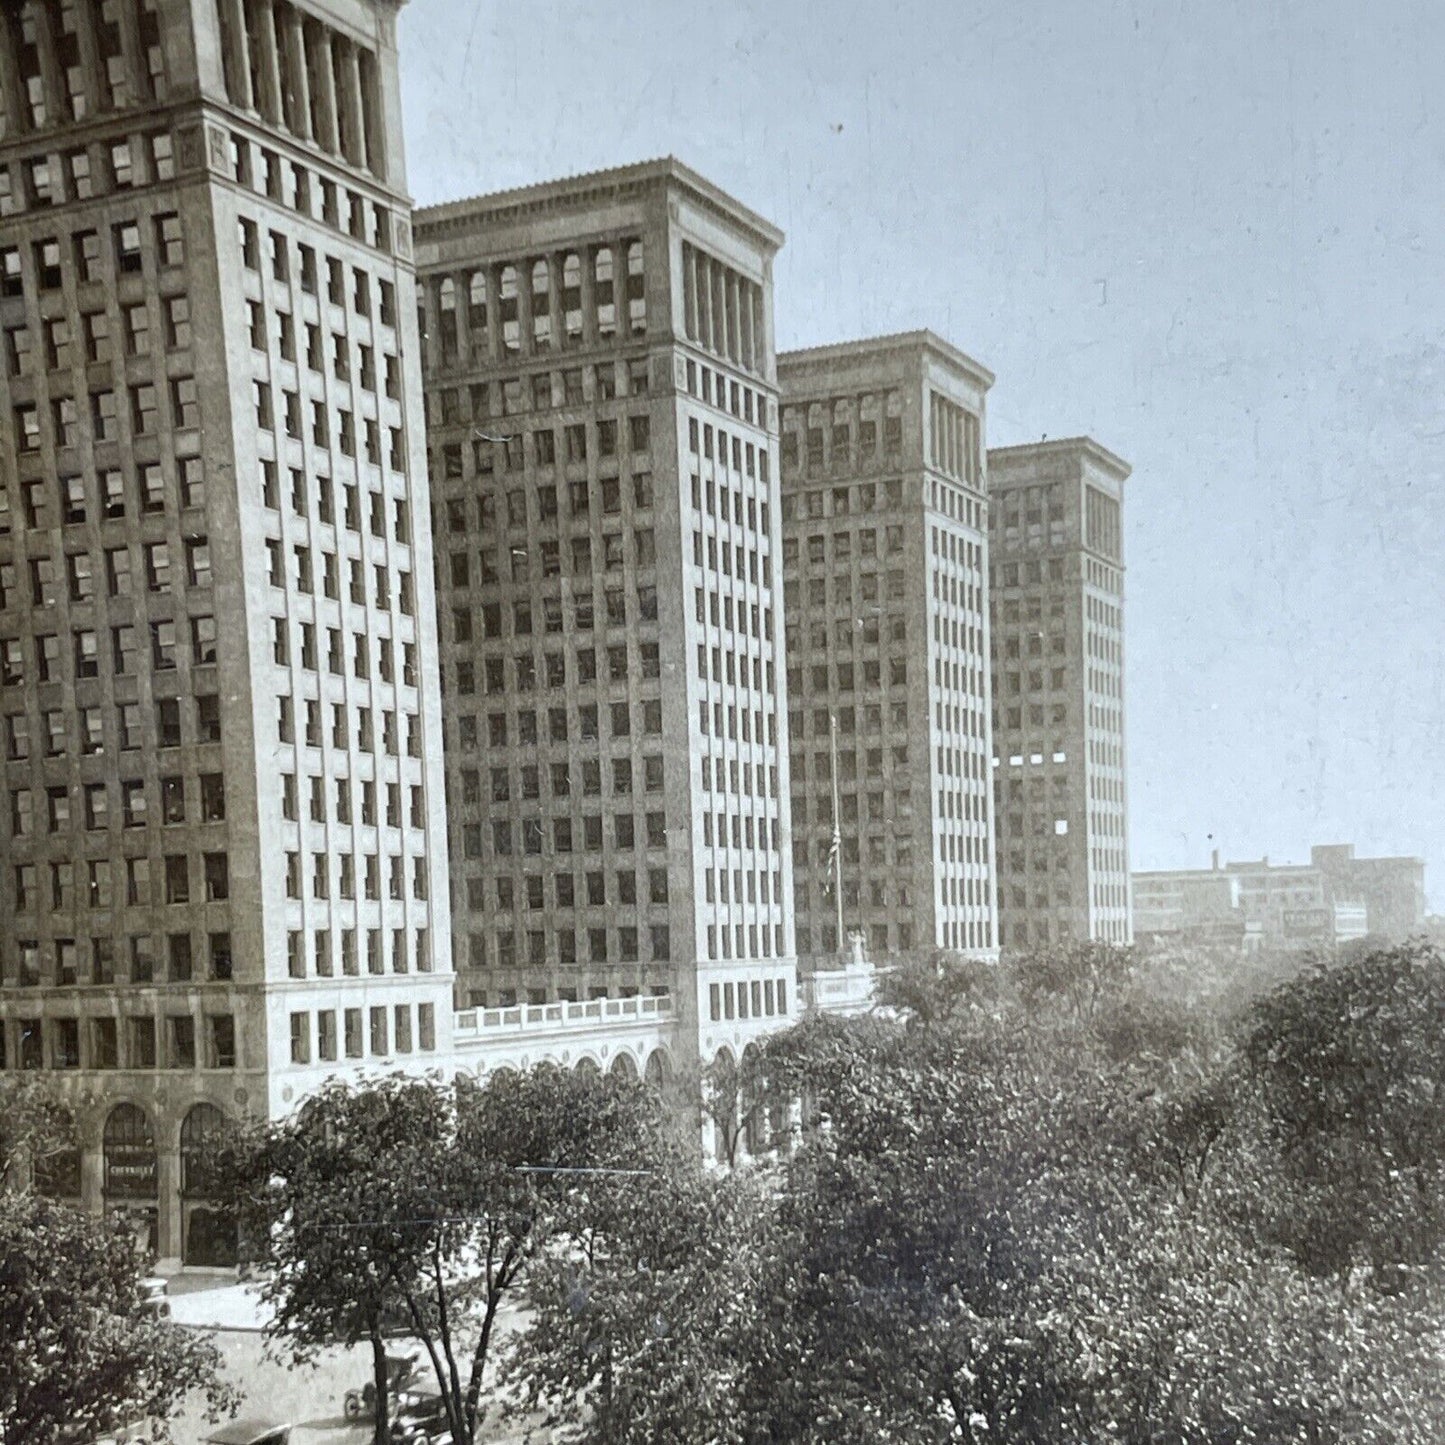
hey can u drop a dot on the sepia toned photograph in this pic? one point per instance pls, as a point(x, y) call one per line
point(721, 724)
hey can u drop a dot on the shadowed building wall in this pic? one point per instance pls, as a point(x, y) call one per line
point(224, 857)
point(885, 555)
point(602, 400)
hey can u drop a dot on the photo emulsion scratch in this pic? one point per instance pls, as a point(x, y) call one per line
point(719, 725)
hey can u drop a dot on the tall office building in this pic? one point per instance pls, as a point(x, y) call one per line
point(1057, 603)
point(224, 864)
point(885, 555)
point(600, 384)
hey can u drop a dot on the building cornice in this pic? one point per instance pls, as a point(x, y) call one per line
point(898, 343)
point(572, 193)
point(1070, 447)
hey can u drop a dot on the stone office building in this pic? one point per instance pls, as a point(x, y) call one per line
point(224, 861)
point(885, 556)
point(602, 403)
point(1057, 604)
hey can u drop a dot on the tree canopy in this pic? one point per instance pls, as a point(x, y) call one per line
point(1025, 1207)
point(78, 1354)
point(37, 1121)
point(1080, 1196)
point(411, 1206)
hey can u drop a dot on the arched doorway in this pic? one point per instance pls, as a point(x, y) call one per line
point(128, 1152)
point(623, 1067)
point(587, 1067)
point(659, 1069)
point(208, 1232)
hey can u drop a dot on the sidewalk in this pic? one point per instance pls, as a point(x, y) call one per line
point(221, 1307)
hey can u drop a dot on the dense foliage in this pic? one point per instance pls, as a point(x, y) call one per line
point(410, 1206)
point(1068, 1199)
point(1084, 1196)
point(79, 1356)
point(37, 1121)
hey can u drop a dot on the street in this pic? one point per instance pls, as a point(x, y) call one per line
point(309, 1397)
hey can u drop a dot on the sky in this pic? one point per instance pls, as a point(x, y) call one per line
point(1211, 236)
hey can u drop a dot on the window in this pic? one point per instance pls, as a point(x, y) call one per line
point(300, 1038)
point(353, 1033)
point(178, 322)
point(127, 247)
point(162, 157)
point(12, 273)
point(170, 243)
point(220, 1041)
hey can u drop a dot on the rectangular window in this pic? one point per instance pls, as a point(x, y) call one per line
point(300, 1038)
point(353, 1033)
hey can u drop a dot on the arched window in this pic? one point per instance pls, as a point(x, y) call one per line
point(658, 1070)
point(588, 1068)
point(199, 1132)
point(636, 290)
point(507, 305)
point(602, 277)
point(893, 425)
point(477, 309)
point(623, 1067)
point(128, 1148)
point(447, 317)
point(541, 306)
point(572, 297)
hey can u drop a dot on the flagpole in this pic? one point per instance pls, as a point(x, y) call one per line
point(837, 835)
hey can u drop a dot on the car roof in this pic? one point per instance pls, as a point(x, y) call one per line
point(246, 1432)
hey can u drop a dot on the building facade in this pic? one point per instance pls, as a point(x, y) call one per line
point(1057, 607)
point(1392, 890)
point(1335, 898)
point(602, 403)
point(885, 560)
point(220, 734)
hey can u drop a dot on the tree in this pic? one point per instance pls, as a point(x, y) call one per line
point(335, 1205)
point(637, 1329)
point(1348, 1060)
point(541, 1155)
point(940, 987)
point(37, 1121)
point(79, 1357)
point(1079, 976)
point(1025, 1223)
point(733, 1099)
point(412, 1204)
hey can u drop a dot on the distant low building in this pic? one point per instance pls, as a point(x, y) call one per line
point(1334, 898)
point(1391, 889)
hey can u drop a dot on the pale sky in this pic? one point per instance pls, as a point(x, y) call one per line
point(1212, 236)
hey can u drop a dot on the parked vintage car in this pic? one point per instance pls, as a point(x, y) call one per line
point(154, 1297)
point(420, 1418)
point(401, 1370)
point(252, 1432)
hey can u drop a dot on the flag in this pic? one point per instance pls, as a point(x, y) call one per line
point(830, 862)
